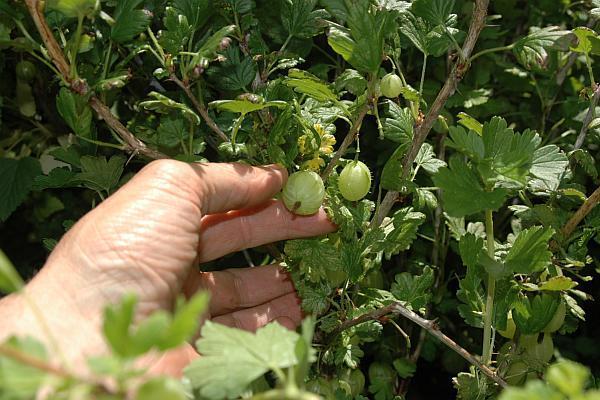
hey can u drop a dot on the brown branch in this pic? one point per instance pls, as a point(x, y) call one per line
point(352, 133)
point(581, 213)
point(588, 118)
point(200, 108)
point(422, 130)
point(430, 326)
point(36, 10)
point(133, 144)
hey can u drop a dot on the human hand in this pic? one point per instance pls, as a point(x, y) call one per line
point(146, 238)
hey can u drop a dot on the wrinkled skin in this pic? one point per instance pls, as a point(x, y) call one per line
point(148, 237)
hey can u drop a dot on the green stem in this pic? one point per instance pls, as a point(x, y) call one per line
point(488, 346)
point(236, 128)
point(76, 45)
point(422, 80)
point(492, 50)
point(588, 63)
point(103, 144)
point(158, 46)
point(376, 113)
point(107, 60)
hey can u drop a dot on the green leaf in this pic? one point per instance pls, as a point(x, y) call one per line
point(301, 20)
point(529, 253)
point(472, 297)
point(18, 380)
point(398, 124)
point(427, 160)
point(99, 174)
point(427, 38)
point(73, 8)
point(164, 105)
point(558, 283)
point(405, 367)
point(10, 281)
point(117, 322)
point(57, 178)
point(129, 22)
point(508, 155)
point(233, 358)
point(568, 376)
point(470, 248)
point(304, 82)
point(463, 192)
point(392, 170)
point(470, 123)
point(352, 81)
point(74, 109)
point(436, 12)
point(209, 48)
point(586, 161)
point(197, 12)
point(16, 177)
point(178, 33)
point(467, 142)
point(532, 315)
point(585, 40)
point(244, 106)
point(161, 388)
point(414, 290)
point(362, 44)
point(401, 231)
point(313, 256)
point(185, 321)
point(548, 168)
point(532, 50)
point(533, 390)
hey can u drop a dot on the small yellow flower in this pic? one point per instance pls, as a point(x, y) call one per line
point(314, 164)
point(327, 140)
point(302, 144)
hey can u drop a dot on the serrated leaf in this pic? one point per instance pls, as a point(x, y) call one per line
point(529, 252)
point(245, 106)
point(586, 161)
point(472, 297)
point(587, 40)
point(57, 178)
point(414, 290)
point(429, 39)
point(402, 230)
point(164, 105)
point(301, 20)
point(532, 50)
point(398, 124)
point(463, 192)
point(427, 160)
point(352, 81)
point(304, 82)
point(99, 174)
point(436, 12)
point(17, 177)
point(313, 256)
point(470, 248)
point(548, 167)
point(197, 12)
point(73, 8)
point(178, 33)
point(19, 380)
point(467, 142)
point(391, 176)
point(129, 21)
point(75, 111)
point(233, 358)
point(558, 283)
point(470, 123)
point(531, 315)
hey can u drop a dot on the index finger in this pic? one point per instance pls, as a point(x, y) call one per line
point(230, 186)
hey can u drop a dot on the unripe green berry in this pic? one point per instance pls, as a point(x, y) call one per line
point(303, 193)
point(355, 181)
point(391, 85)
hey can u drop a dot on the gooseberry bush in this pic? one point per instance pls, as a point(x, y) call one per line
point(453, 143)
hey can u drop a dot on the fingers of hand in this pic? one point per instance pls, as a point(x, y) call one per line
point(237, 230)
point(232, 186)
point(285, 309)
point(239, 288)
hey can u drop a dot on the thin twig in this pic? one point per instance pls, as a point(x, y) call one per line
point(55, 52)
point(581, 213)
point(588, 118)
point(430, 326)
point(200, 108)
point(346, 143)
point(423, 129)
point(134, 144)
point(42, 365)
